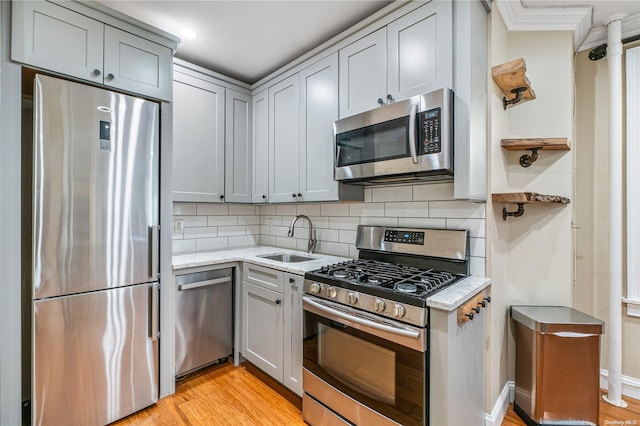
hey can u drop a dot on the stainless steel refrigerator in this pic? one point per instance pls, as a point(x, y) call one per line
point(94, 269)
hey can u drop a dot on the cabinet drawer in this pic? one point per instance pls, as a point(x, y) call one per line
point(264, 277)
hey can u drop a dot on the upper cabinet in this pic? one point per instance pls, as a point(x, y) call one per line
point(198, 139)
point(55, 38)
point(412, 55)
point(260, 148)
point(237, 142)
point(284, 146)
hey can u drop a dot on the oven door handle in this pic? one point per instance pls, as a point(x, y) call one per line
point(334, 313)
point(412, 133)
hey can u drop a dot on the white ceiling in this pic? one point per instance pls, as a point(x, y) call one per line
point(248, 40)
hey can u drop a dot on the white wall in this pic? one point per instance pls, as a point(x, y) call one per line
point(530, 258)
point(592, 211)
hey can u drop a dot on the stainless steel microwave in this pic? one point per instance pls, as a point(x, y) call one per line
point(410, 140)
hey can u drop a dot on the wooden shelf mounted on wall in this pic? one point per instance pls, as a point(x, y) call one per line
point(511, 79)
point(534, 144)
point(522, 198)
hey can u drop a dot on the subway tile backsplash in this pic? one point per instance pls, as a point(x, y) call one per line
point(219, 226)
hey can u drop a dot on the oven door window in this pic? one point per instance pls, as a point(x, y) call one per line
point(383, 141)
point(385, 376)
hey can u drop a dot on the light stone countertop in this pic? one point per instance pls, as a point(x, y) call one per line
point(448, 299)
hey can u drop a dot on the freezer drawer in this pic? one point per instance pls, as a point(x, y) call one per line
point(204, 318)
point(94, 357)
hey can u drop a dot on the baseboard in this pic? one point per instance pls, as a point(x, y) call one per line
point(630, 385)
point(496, 416)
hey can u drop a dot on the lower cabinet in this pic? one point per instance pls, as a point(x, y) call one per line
point(272, 323)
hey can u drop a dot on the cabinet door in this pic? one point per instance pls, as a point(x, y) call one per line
point(136, 65)
point(284, 145)
point(198, 140)
point(293, 333)
point(262, 332)
point(319, 100)
point(237, 143)
point(363, 73)
point(260, 147)
point(51, 37)
point(420, 50)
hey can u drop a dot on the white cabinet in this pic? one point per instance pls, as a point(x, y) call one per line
point(272, 323)
point(363, 73)
point(262, 330)
point(410, 56)
point(292, 365)
point(238, 147)
point(260, 134)
point(284, 144)
point(52, 37)
point(198, 140)
point(319, 109)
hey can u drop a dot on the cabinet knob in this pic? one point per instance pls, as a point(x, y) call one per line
point(488, 299)
point(292, 280)
point(483, 304)
point(294, 195)
point(470, 315)
point(110, 76)
point(390, 99)
point(380, 101)
point(264, 197)
point(278, 301)
point(477, 309)
point(222, 197)
point(299, 195)
point(96, 72)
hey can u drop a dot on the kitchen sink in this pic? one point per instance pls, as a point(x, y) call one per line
point(286, 258)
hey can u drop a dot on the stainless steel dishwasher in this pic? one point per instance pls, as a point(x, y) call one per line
point(204, 319)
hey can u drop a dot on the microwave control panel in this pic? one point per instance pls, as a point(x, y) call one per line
point(430, 131)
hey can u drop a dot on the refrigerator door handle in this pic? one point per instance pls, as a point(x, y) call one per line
point(154, 237)
point(154, 317)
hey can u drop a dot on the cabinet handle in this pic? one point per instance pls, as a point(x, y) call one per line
point(380, 101)
point(96, 72)
point(110, 77)
point(292, 280)
point(278, 301)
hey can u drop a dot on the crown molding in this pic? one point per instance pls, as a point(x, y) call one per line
point(519, 18)
point(598, 35)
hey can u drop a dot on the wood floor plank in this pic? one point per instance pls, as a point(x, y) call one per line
point(225, 396)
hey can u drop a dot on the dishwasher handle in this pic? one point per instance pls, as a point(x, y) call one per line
point(205, 283)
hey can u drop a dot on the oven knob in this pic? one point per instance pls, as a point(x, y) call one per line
point(331, 291)
point(352, 297)
point(398, 310)
point(378, 305)
point(315, 288)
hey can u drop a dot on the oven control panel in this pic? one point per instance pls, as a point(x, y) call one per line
point(405, 237)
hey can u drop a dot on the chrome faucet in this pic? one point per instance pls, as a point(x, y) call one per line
point(312, 234)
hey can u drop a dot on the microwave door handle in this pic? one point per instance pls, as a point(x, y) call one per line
point(412, 133)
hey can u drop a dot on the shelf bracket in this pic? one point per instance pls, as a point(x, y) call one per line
point(518, 91)
point(526, 160)
point(517, 213)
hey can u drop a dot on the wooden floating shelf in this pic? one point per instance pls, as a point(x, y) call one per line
point(522, 198)
point(558, 144)
point(534, 144)
point(511, 79)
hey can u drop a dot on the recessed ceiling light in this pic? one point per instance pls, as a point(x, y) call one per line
point(188, 33)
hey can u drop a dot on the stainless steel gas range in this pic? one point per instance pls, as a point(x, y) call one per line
point(366, 326)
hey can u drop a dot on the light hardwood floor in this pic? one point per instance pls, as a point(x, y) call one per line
point(609, 415)
point(245, 396)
